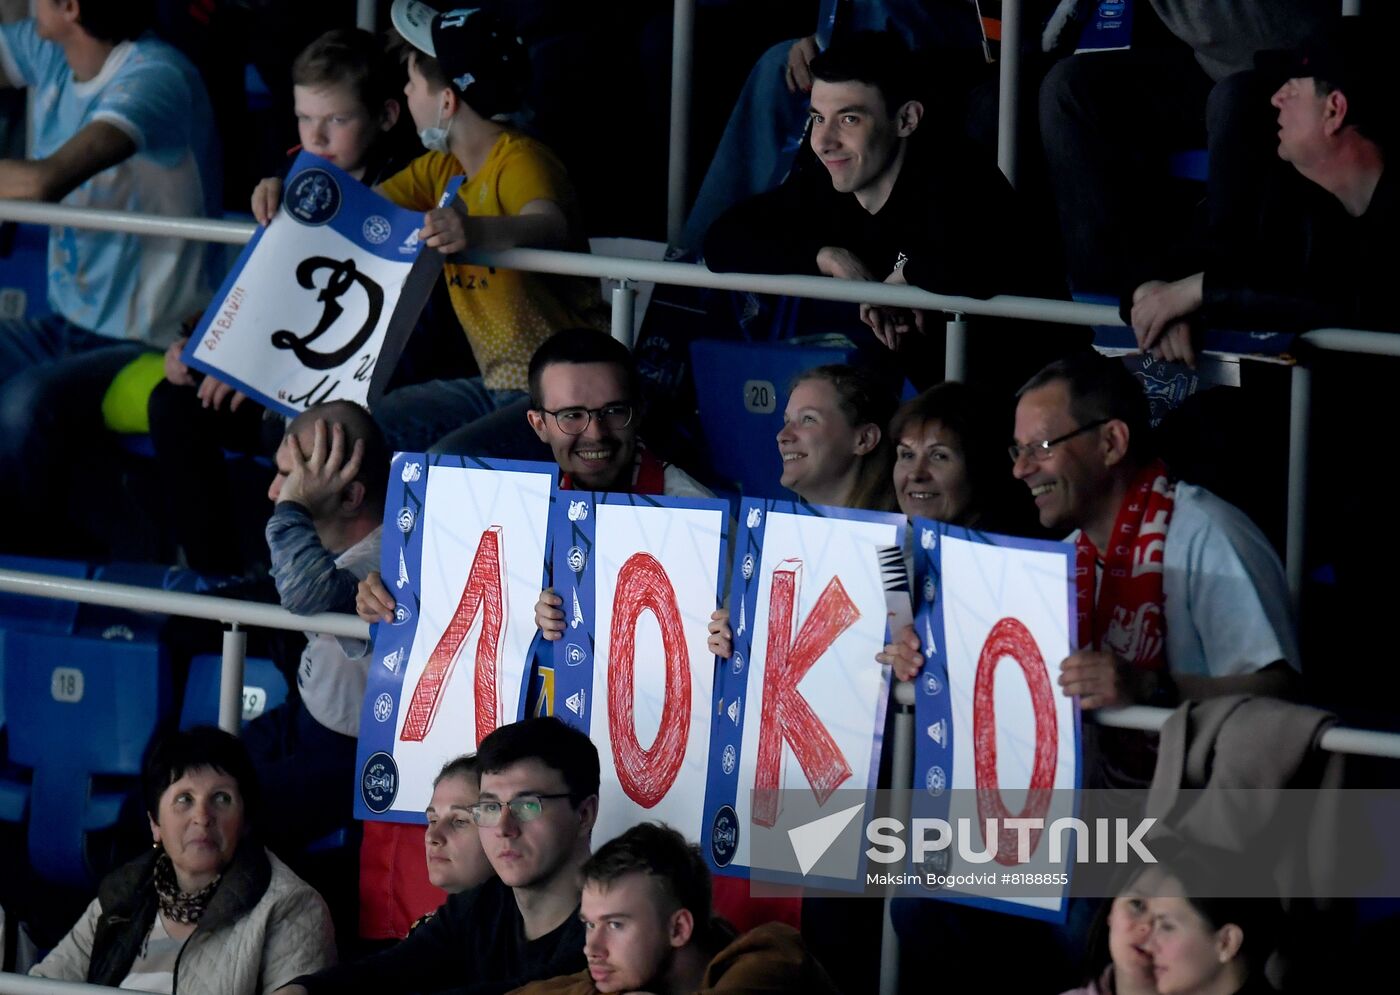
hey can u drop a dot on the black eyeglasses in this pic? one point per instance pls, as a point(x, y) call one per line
point(524, 808)
point(575, 421)
point(1038, 451)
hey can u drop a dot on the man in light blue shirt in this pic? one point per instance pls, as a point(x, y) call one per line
point(120, 121)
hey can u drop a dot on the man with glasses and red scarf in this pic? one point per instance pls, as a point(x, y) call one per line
point(1180, 596)
point(535, 814)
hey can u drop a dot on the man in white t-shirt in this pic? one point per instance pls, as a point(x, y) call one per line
point(332, 473)
point(1180, 596)
point(119, 121)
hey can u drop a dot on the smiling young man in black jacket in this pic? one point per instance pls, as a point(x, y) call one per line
point(891, 195)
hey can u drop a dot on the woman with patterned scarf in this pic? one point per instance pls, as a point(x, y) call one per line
point(208, 909)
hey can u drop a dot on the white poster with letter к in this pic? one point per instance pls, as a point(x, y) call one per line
point(321, 300)
point(800, 706)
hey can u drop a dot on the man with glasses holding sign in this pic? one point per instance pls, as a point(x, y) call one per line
point(1180, 596)
point(583, 405)
point(535, 814)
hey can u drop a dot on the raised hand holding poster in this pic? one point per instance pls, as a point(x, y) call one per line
point(463, 553)
point(995, 621)
point(321, 300)
point(639, 576)
point(799, 707)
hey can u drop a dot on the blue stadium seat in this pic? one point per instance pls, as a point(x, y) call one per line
point(20, 611)
point(103, 622)
point(1189, 164)
point(23, 613)
point(24, 271)
point(80, 709)
point(742, 388)
point(264, 688)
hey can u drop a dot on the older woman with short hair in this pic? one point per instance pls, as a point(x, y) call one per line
point(208, 910)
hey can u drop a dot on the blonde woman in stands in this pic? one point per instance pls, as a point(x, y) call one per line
point(834, 449)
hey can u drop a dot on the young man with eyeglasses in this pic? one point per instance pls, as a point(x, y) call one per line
point(584, 407)
point(1180, 595)
point(535, 814)
point(583, 391)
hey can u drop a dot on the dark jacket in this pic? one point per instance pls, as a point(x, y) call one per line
point(952, 216)
point(950, 212)
point(1306, 263)
point(475, 944)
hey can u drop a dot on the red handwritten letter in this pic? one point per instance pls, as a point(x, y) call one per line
point(484, 592)
point(646, 775)
point(785, 713)
point(1010, 637)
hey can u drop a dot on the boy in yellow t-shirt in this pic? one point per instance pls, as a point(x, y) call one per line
point(465, 68)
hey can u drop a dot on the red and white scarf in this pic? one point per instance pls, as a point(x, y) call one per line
point(1127, 615)
point(648, 475)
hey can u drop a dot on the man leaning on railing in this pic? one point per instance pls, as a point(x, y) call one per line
point(1318, 253)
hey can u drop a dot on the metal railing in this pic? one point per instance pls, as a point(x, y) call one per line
point(236, 613)
point(22, 984)
point(630, 271)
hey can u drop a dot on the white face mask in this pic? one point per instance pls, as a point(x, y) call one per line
point(434, 139)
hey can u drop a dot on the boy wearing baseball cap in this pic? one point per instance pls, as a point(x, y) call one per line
point(467, 71)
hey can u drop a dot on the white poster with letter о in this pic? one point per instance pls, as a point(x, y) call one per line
point(634, 669)
point(995, 737)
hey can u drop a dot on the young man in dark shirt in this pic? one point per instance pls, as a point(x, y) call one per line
point(890, 197)
point(538, 803)
point(646, 916)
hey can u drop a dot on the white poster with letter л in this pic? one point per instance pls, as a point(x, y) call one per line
point(463, 554)
point(639, 576)
point(995, 621)
point(320, 302)
point(800, 706)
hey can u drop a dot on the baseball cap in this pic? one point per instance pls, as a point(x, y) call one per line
point(1348, 57)
point(477, 49)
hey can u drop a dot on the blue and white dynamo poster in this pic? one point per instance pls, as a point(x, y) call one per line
point(320, 302)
